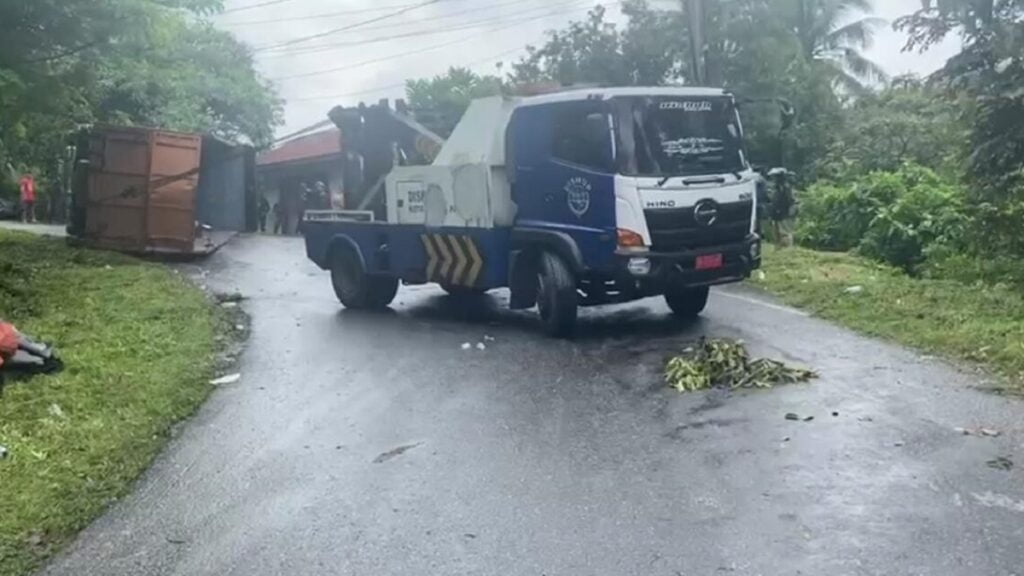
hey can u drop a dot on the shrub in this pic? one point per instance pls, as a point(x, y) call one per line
point(893, 217)
point(925, 214)
point(837, 216)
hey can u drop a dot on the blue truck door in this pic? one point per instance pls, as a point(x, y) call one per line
point(564, 175)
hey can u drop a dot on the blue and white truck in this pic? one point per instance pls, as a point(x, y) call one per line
point(576, 198)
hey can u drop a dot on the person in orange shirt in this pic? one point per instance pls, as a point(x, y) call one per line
point(28, 198)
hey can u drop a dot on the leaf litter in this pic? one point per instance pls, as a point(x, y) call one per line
point(719, 363)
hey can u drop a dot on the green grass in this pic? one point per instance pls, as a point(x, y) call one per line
point(978, 323)
point(137, 342)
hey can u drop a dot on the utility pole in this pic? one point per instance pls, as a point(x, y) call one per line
point(694, 13)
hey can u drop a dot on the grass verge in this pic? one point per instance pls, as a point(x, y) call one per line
point(978, 323)
point(138, 345)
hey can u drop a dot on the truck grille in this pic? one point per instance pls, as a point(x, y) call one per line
point(676, 229)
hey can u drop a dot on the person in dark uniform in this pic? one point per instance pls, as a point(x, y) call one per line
point(264, 211)
point(781, 207)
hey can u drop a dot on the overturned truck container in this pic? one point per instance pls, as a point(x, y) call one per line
point(143, 190)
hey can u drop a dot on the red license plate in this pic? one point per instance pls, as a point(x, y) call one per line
point(709, 261)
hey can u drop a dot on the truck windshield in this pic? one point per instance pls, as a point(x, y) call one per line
point(673, 136)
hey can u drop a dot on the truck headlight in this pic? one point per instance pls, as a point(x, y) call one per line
point(639, 266)
point(755, 250)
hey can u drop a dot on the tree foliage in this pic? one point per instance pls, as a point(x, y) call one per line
point(990, 72)
point(439, 102)
point(829, 38)
point(66, 63)
point(909, 121)
point(649, 51)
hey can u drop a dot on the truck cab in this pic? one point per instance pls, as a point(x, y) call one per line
point(577, 198)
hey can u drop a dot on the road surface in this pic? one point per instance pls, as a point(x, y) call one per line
point(58, 230)
point(373, 444)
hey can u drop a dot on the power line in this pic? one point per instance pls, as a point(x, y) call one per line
point(447, 16)
point(374, 61)
point(348, 94)
point(431, 32)
point(306, 130)
point(426, 48)
point(400, 84)
point(313, 16)
point(252, 6)
point(348, 27)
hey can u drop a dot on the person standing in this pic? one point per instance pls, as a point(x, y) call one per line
point(28, 198)
point(264, 209)
point(782, 206)
point(323, 197)
point(278, 217)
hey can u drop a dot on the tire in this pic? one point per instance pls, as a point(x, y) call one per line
point(356, 289)
point(687, 303)
point(462, 291)
point(557, 298)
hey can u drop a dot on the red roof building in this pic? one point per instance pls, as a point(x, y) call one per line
point(308, 148)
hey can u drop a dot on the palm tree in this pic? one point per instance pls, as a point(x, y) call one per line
point(835, 33)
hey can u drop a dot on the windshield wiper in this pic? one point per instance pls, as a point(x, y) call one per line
point(663, 181)
point(703, 180)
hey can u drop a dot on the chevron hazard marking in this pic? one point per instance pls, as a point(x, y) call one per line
point(461, 260)
point(452, 259)
point(432, 260)
point(476, 262)
point(446, 257)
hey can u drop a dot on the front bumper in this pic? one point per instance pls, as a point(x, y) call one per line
point(678, 269)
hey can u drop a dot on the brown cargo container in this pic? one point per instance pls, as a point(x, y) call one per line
point(136, 189)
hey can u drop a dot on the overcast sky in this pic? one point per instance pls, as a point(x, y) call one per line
point(378, 56)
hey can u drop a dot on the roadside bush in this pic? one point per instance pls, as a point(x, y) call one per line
point(927, 213)
point(894, 217)
point(836, 216)
point(8, 187)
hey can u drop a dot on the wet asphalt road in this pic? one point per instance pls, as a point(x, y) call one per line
point(372, 444)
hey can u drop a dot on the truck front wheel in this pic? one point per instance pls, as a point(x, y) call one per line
point(356, 289)
point(687, 303)
point(556, 295)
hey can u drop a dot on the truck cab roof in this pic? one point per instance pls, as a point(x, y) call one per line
point(606, 93)
point(480, 134)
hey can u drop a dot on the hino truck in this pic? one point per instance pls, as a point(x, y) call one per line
point(576, 198)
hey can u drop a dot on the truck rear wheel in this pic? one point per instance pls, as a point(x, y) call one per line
point(356, 289)
point(687, 303)
point(556, 295)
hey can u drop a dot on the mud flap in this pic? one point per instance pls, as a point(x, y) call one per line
point(522, 279)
